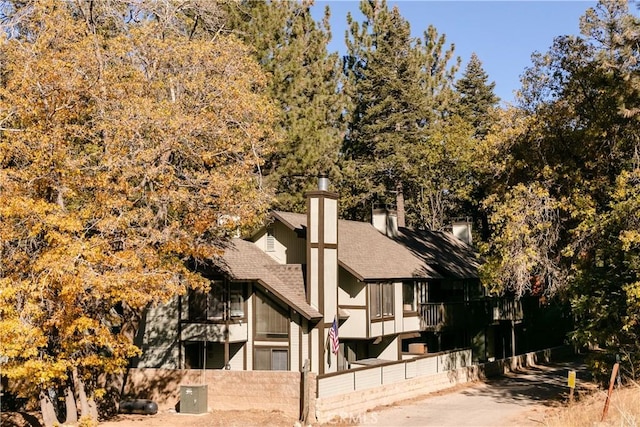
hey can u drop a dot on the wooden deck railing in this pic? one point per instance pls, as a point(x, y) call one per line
point(439, 315)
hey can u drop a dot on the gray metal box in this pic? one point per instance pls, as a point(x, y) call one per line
point(193, 399)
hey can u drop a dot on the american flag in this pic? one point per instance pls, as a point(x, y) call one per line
point(333, 336)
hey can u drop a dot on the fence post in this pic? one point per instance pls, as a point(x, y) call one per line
point(304, 393)
point(614, 373)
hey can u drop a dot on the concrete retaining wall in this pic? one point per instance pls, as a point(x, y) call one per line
point(227, 390)
point(353, 405)
point(281, 391)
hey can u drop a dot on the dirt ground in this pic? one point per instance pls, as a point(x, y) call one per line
point(169, 419)
point(520, 399)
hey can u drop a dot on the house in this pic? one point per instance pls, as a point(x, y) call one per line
point(273, 299)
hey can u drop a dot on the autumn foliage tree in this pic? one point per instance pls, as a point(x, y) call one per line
point(565, 206)
point(131, 137)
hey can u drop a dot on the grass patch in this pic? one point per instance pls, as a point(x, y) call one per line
point(624, 410)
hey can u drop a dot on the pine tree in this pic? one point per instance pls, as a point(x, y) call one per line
point(305, 82)
point(476, 104)
point(476, 97)
point(397, 88)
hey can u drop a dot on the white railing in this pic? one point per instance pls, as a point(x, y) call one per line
point(391, 372)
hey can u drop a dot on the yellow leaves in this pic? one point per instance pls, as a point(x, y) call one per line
point(19, 339)
point(130, 144)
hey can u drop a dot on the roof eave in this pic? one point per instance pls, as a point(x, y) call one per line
point(287, 301)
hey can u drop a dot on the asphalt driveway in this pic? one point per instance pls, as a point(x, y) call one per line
point(517, 399)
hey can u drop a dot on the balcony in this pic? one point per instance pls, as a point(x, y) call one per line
point(506, 309)
point(437, 316)
point(441, 315)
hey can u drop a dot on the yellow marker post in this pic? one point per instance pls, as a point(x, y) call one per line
point(572, 384)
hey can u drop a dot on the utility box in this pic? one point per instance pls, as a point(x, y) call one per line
point(417, 348)
point(193, 399)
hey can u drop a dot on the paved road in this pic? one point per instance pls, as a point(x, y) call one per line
point(513, 400)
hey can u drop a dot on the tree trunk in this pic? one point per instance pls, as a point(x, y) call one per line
point(87, 409)
point(70, 403)
point(49, 417)
point(93, 409)
point(400, 204)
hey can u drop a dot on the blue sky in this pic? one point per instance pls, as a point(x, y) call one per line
point(503, 34)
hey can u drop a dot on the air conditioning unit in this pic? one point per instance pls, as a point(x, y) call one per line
point(193, 399)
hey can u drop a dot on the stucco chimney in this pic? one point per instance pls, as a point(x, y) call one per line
point(385, 221)
point(461, 228)
point(322, 267)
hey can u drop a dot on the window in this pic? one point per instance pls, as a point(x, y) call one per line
point(212, 305)
point(271, 320)
point(408, 296)
point(194, 354)
point(381, 300)
point(236, 300)
point(271, 359)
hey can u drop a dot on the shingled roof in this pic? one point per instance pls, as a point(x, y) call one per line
point(243, 260)
point(447, 254)
point(366, 253)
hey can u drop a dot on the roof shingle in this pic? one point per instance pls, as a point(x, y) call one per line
point(243, 260)
point(368, 254)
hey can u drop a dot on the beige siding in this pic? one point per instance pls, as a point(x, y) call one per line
point(287, 247)
point(375, 329)
point(304, 345)
point(315, 363)
point(250, 316)
point(393, 373)
point(236, 362)
point(313, 274)
point(339, 384)
point(160, 342)
point(390, 352)
point(410, 324)
point(238, 331)
point(313, 226)
point(330, 284)
point(293, 247)
point(294, 349)
point(367, 378)
point(351, 291)
point(331, 221)
point(354, 326)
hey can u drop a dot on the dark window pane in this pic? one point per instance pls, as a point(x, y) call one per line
point(215, 310)
point(408, 296)
point(271, 322)
point(193, 355)
point(262, 359)
point(376, 307)
point(236, 300)
point(197, 305)
point(387, 299)
point(280, 360)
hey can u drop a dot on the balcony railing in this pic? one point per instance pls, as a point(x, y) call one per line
point(506, 309)
point(441, 315)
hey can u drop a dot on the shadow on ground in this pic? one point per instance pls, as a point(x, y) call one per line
point(546, 385)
